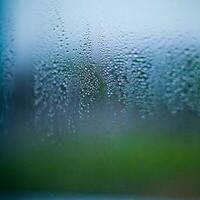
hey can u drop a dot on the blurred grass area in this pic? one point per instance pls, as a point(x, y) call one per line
point(146, 164)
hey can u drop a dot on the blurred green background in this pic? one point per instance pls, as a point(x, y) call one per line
point(143, 163)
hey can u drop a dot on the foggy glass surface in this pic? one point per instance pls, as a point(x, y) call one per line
point(100, 77)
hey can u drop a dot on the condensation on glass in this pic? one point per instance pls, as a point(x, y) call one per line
point(70, 65)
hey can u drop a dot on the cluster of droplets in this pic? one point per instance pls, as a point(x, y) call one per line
point(74, 73)
point(139, 89)
point(54, 81)
point(89, 79)
point(66, 80)
point(181, 81)
point(127, 74)
point(124, 75)
point(71, 78)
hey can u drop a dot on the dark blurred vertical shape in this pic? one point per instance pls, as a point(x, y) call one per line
point(16, 82)
point(4, 59)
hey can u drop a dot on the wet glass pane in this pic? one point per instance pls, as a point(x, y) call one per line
point(99, 99)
